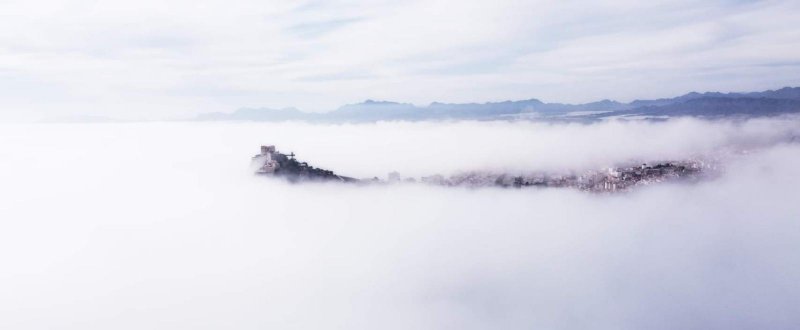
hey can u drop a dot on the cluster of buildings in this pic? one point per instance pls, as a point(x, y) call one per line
point(608, 180)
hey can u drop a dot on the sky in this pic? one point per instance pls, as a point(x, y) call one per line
point(163, 226)
point(174, 59)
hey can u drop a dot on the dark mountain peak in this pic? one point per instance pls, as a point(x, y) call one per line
point(792, 93)
point(528, 101)
point(603, 102)
point(692, 95)
point(679, 99)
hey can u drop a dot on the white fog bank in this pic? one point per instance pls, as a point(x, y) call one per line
point(161, 226)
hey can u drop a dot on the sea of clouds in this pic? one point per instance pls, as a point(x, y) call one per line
point(163, 226)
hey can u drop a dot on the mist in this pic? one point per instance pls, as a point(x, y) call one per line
point(163, 226)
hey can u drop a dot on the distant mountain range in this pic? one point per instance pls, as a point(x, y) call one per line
point(709, 105)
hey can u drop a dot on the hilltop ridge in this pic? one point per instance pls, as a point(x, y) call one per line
point(709, 104)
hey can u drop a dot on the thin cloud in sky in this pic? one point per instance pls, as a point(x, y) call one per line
point(315, 29)
point(143, 59)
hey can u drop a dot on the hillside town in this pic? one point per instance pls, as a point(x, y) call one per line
point(613, 179)
point(270, 162)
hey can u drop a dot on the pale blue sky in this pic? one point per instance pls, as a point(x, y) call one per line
point(164, 59)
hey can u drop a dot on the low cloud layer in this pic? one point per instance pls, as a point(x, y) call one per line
point(161, 226)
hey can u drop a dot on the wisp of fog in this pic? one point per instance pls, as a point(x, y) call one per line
point(163, 226)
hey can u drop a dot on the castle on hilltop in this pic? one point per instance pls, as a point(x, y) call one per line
point(271, 162)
